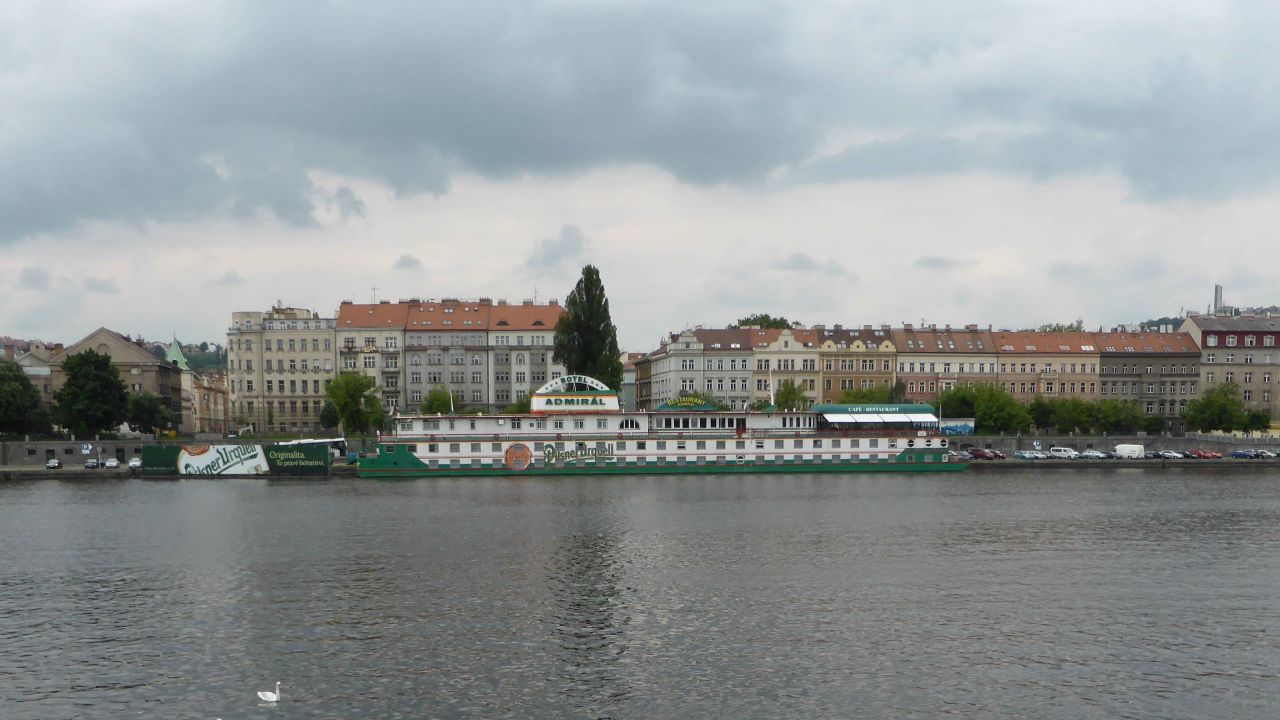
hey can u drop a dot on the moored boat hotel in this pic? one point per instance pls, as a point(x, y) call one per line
point(575, 426)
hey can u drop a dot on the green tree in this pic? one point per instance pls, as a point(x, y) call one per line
point(762, 320)
point(1219, 408)
point(899, 392)
point(21, 410)
point(857, 396)
point(146, 412)
point(1041, 412)
point(1072, 415)
point(520, 407)
point(329, 418)
point(790, 396)
point(1257, 421)
point(1152, 424)
point(758, 405)
point(352, 394)
point(1117, 416)
point(959, 402)
point(586, 340)
point(1076, 326)
point(94, 398)
point(439, 401)
point(995, 410)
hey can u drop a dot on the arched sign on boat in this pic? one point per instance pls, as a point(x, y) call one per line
point(573, 394)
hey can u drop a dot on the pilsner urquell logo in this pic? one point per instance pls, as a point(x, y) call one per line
point(224, 456)
point(550, 454)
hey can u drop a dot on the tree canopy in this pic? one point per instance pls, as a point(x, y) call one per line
point(146, 412)
point(1219, 408)
point(855, 396)
point(21, 410)
point(357, 405)
point(520, 407)
point(789, 396)
point(992, 408)
point(1076, 326)
point(439, 401)
point(765, 321)
point(586, 340)
point(94, 398)
point(329, 418)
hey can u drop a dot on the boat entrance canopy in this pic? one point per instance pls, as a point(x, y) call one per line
point(876, 417)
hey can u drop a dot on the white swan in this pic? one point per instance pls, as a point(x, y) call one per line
point(269, 696)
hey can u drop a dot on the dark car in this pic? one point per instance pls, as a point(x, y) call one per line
point(1244, 454)
point(91, 464)
point(978, 453)
point(54, 464)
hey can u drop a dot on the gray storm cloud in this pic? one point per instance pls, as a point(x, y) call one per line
point(112, 114)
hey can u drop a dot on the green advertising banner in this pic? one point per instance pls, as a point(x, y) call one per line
point(236, 459)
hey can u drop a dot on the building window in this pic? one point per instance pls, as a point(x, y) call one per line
point(370, 361)
point(1211, 340)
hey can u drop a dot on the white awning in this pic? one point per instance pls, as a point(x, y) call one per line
point(925, 417)
point(838, 418)
point(866, 418)
point(895, 417)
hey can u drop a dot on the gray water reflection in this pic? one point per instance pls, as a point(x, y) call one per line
point(1071, 594)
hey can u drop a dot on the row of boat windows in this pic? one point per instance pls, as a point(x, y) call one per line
point(621, 445)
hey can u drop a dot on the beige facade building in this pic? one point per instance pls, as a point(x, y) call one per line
point(932, 360)
point(278, 364)
point(782, 355)
point(141, 371)
point(370, 341)
point(1049, 364)
point(855, 360)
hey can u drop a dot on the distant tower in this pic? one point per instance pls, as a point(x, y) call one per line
point(1217, 299)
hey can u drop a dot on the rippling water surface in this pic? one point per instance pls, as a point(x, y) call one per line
point(1072, 594)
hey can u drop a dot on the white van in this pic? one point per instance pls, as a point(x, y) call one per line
point(1063, 453)
point(1132, 452)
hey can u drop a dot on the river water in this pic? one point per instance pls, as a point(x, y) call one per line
point(1065, 594)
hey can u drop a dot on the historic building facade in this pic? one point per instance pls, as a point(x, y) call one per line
point(1048, 364)
point(1158, 371)
point(854, 360)
point(1240, 349)
point(932, 360)
point(141, 371)
point(278, 365)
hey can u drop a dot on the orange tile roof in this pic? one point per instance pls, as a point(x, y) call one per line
point(1055, 343)
point(379, 315)
point(447, 315)
point(524, 317)
point(947, 340)
point(1149, 342)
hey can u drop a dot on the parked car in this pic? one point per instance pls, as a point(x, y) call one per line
point(1063, 453)
point(958, 456)
point(999, 455)
point(54, 464)
point(1169, 455)
point(1264, 454)
point(1213, 454)
point(1025, 454)
point(135, 463)
point(1152, 455)
point(978, 453)
point(91, 464)
point(1092, 455)
point(111, 463)
point(1244, 454)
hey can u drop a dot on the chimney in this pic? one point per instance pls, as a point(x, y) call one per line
point(906, 326)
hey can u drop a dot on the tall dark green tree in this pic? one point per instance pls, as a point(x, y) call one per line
point(146, 412)
point(856, 396)
point(94, 398)
point(329, 418)
point(586, 340)
point(21, 410)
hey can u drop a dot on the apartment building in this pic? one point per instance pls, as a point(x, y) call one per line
point(854, 360)
point(1048, 364)
point(278, 365)
point(781, 355)
point(932, 360)
point(370, 340)
point(1159, 371)
point(1240, 349)
point(141, 371)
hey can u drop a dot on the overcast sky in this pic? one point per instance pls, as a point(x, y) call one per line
point(165, 164)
